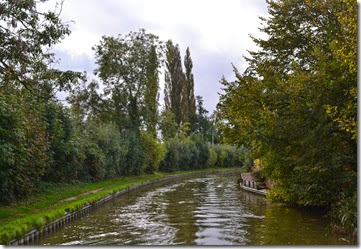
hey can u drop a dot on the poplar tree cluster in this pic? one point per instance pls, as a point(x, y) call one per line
point(179, 85)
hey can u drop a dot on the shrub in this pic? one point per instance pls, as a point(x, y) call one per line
point(64, 145)
point(201, 154)
point(222, 158)
point(94, 161)
point(171, 160)
point(108, 139)
point(154, 150)
point(188, 154)
point(135, 158)
point(211, 162)
point(193, 152)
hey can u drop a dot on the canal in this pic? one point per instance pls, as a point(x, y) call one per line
point(209, 210)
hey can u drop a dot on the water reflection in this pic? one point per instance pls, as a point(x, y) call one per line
point(209, 210)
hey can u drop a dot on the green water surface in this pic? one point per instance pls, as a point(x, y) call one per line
point(210, 210)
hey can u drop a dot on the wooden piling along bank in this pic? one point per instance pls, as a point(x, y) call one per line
point(69, 217)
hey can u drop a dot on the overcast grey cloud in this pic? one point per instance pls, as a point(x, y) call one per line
point(217, 33)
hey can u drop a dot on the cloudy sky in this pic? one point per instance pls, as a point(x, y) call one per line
point(217, 33)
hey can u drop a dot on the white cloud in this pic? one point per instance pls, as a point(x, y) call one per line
point(217, 32)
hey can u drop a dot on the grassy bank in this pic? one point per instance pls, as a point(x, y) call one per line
point(50, 204)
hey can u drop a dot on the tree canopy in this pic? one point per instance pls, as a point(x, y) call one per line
point(296, 103)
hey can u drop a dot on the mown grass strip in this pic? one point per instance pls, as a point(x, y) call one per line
point(43, 208)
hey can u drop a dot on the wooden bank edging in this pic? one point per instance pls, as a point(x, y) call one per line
point(69, 217)
point(257, 191)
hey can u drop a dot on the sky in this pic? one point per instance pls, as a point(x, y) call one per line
point(216, 32)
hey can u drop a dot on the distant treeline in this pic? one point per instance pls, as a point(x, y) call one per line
point(115, 132)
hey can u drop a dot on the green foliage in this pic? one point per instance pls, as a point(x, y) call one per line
point(136, 157)
point(24, 215)
point(222, 158)
point(172, 157)
point(5, 238)
point(64, 146)
point(229, 156)
point(179, 85)
point(211, 162)
point(26, 34)
point(21, 230)
point(128, 67)
point(168, 126)
point(151, 95)
point(200, 122)
point(174, 82)
point(107, 137)
point(94, 161)
point(38, 223)
point(200, 151)
point(188, 100)
point(154, 150)
point(295, 105)
point(186, 153)
point(87, 102)
point(33, 138)
point(23, 147)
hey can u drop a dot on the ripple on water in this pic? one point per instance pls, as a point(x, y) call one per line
point(203, 211)
point(76, 242)
point(253, 216)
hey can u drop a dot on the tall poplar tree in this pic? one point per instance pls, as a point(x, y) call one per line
point(188, 100)
point(151, 95)
point(174, 81)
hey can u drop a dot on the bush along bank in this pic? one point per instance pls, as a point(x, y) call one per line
point(65, 149)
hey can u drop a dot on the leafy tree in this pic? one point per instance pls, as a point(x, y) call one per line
point(343, 49)
point(26, 36)
point(179, 86)
point(154, 150)
point(108, 138)
point(23, 147)
point(87, 103)
point(128, 67)
point(295, 105)
point(28, 84)
point(94, 162)
point(136, 157)
point(201, 123)
point(174, 81)
point(188, 100)
point(63, 151)
point(151, 95)
point(168, 126)
point(125, 67)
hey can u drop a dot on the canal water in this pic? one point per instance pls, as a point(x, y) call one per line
point(209, 210)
